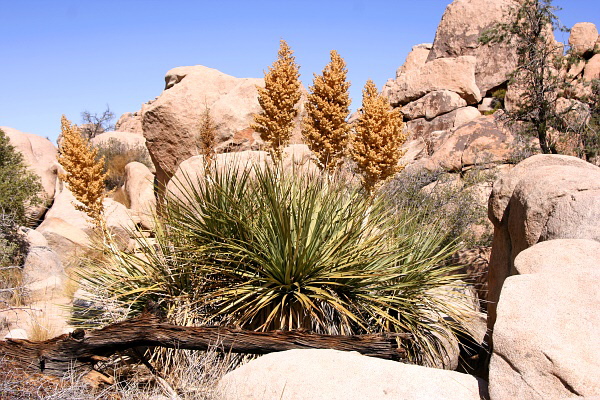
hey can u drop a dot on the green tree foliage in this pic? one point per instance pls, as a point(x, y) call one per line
point(589, 135)
point(278, 101)
point(376, 147)
point(19, 187)
point(536, 79)
point(325, 129)
point(19, 190)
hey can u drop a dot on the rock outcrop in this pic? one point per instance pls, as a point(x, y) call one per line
point(481, 141)
point(549, 352)
point(454, 74)
point(125, 139)
point(139, 189)
point(422, 128)
point(193, 168)
point(130, 122)
point(583, 38)
point(458, 35)
point(170, 123)
point(544, 197)
point(433, 104)
point(332, 374)
point(68, 230)
point(40, 155)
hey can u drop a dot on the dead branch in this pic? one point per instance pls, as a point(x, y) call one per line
point(82, 349)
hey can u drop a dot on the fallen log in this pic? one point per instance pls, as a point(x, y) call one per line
point(82, 349)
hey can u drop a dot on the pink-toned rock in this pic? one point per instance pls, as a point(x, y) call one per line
point(170, 123)
point(454, 74)
point(130, 122)
point(458, 35)
point(190, 169)
point(433, 104)
point(125, 138)
point(333, 375)
point(576, 69)
point(416, 59)
point(544, 197)
point(40, 155)
point(480, 141)
point(68, 230)
point(421, 127)
point(592, 68)
point(583, 37)
point(139, 188)
point(532, 359)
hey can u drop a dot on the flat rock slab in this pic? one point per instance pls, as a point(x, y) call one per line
point(333, 375)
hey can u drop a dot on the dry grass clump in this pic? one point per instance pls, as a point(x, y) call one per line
point(83, 171)
point(194, 376)
point(41, 327)
point(278, 101)
point(116, 156)
point(325, 128)
point(376, 147)
point(207, 135)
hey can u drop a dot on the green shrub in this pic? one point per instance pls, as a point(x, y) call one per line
point(265, 248)
point(444, 199)
point(19, 187)
point(116, 156)
point(19, 190)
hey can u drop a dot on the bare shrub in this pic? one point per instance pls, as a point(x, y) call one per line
point(116, 156)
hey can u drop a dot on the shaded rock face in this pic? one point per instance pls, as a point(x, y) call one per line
point(332, 374)
point(458, 35)
point(139, 189)
point(41, 156)
point(592, 68)
point(549, 351)
point(544, 197)
point(43, 273)
point(170, 123)
point(433, 104)
point(421, 127)
point(480, 141)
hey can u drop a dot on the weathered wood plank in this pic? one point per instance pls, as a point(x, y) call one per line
point(81, 349)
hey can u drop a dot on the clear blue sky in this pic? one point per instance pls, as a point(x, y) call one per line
point(68, 56)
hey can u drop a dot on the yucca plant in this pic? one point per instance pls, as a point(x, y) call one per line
point(264, 248)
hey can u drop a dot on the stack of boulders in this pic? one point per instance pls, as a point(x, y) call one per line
point(63, 234)
point(171, 122)
point(447, 84)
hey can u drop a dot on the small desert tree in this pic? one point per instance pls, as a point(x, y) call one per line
point(376, 147)
point(536, 78)
point(207, 132)
point(95, 124)
point(19, 189)
point(278, 101)
point(325, 128)
point(84, 172)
